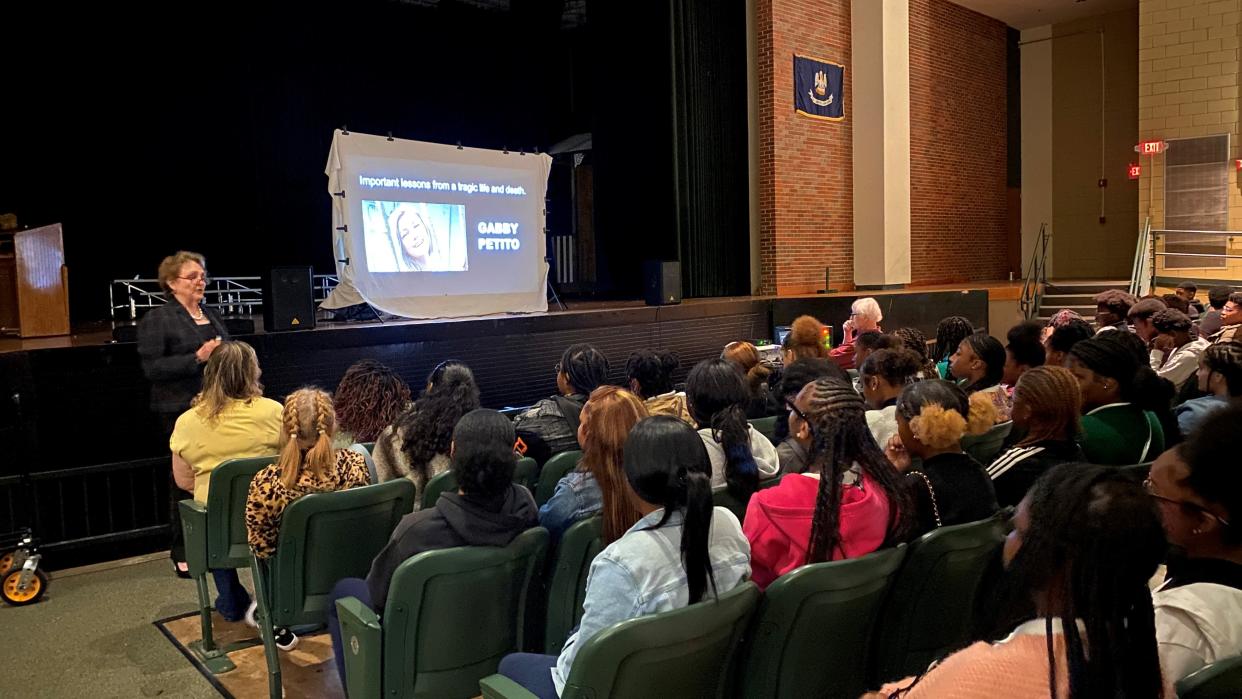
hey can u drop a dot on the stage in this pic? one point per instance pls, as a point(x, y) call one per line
point(75, 410)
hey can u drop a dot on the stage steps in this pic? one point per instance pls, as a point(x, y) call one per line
point(1076, 295)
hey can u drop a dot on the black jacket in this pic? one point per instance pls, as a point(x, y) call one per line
point(456, 520)
point(167, 340)
point(1016, 470)
point(963, 492)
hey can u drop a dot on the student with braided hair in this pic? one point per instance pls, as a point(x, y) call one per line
point(1120, 398)
point(740, 455)
point(1046, 406)
point(914, 340)
point(228, 419)
point(979, 365)
point(1174, 353)
point(368, 399)
point(883, 376)
point(850, 502)
point(1085, 542)
point(949, 487)
point(792, 454)
point(949, 334)
point(308, 464)
point(1220, 377)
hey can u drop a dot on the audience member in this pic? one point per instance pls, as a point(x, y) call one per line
point(1209, 323)
point(1063, 338)
point(1188, 291)
point(1024, 351)
point(979, 364)
point(1119, 399)
point(368, 400)
point(865, 316)
point(756, 372)
point(681, 552)
point(488, 509)
point(740, 455)
point(598, 484)
point(1046, 406)
point(1111, 308)
point(1199, 605)
point(949, 487)
point(228, 419)
point(551, 425)
point(1140, 316)
point(790, 452)
point(308, 464)
point(417, 445)
point(1220, 377)
point(650, 377)
point(848, 504)
point(914, 340)
point(807, 339)
point(1230, 320)
point(1084, 544)
point(1061, 317)
point(949, 335)
point(868, 342)
point(1176, 302)
point(883, 376)
point(1174, 354)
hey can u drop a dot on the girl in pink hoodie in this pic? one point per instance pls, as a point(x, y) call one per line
point(850, 501)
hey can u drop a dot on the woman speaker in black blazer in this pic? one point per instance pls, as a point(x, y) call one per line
point(175, 341)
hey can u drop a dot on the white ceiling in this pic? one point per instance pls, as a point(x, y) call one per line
point(1024, 14)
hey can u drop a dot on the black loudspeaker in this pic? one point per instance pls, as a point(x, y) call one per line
point(288, 303)
point(661, 282)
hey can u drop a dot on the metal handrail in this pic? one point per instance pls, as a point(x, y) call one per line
point(1036, 275)
point(1143, 270)
point(230, 295)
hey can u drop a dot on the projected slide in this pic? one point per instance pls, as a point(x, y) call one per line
point(409, 237)
point(426, 230)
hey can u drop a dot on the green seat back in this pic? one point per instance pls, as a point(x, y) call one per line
point(987, 446)
point(523, 474)
point(557, 468)
point(721, 497)
point(1219, 680)
point(766, 426)
point(930, 611)
point(682, 653)
point(567, 588)
point(325, 537)
point(452, 614)
point(789, 653)
point(227, 545)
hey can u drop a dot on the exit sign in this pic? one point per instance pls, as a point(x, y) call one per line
point(1151, 147)
point(1136, 171)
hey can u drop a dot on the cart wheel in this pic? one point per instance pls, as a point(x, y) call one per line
point(7, 560)
point(15, 596)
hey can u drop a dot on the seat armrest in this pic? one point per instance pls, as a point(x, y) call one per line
point(362, 641)
point(501, 687)
point(194, 526)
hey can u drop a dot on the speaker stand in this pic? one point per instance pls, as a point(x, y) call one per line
point(551, 290)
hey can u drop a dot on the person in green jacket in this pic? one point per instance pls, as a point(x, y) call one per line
point(1120, 400)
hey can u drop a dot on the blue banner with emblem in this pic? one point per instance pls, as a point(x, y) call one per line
point(819, 88)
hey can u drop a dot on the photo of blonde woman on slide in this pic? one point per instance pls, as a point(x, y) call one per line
point(414, 237)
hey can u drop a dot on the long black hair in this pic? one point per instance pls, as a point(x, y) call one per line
point(992, 353)
point(666, 464)
point(1120, 355)
point(717, 396)
point(949, 334)
point(652, 370)
point(1093, 542)
point(585, 367)
point(840, 438)
point(426, 429)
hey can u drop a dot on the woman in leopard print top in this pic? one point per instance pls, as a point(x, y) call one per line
point(308, 464)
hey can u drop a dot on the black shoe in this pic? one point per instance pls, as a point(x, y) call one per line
point(286, 640)
point(179, 571)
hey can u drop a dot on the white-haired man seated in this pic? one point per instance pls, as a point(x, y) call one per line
point(865, 317)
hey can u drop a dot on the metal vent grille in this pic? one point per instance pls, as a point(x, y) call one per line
point(1196, 198)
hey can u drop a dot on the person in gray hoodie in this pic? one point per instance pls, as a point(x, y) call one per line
point(487, 510)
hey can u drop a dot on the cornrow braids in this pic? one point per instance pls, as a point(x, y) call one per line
point(1225, 358)
point(1055, 400)
point(840, 439)
point(369, 398)
point(991, 352)
point(949, 334)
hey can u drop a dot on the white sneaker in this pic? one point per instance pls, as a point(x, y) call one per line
point(286, 640)
point(250, 612)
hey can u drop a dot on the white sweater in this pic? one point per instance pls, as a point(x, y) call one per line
point(1197, 624)
point(765, 456)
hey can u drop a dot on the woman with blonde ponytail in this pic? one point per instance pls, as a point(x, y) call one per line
point(949, 486)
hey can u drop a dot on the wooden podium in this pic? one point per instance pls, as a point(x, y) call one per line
point(34, 283)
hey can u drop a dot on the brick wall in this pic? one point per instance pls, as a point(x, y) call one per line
point(1188, 86)
point(958, 158)
point(958, 148)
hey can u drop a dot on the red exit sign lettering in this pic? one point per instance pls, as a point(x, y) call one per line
point(1136, 171)
point(1151, 147)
